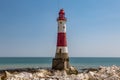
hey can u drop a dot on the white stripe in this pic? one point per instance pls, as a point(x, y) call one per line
point(61, 26)
point(62, 50)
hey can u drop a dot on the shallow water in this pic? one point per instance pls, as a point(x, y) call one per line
point(45, 62)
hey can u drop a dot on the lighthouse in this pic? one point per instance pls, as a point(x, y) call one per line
point(61, 60)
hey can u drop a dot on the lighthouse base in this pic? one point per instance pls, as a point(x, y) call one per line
point(60, 64)
point(63, 64)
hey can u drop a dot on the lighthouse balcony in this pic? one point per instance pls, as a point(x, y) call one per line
point(61, 18)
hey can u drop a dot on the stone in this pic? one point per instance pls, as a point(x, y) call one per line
point(72, 70)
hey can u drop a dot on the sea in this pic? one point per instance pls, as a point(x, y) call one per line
point(46, 62)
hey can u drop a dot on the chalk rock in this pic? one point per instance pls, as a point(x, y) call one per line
point(72, 70)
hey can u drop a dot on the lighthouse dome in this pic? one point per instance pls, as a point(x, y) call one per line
point(61, 11)
point(61, 15)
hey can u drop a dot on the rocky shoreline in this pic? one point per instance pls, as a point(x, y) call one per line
point(100, 73)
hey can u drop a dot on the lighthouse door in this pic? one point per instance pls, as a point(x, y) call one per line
point(60, 51)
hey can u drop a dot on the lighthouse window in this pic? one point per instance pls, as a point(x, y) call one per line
point(60, 22)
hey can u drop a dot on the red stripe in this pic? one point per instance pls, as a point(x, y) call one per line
point(61, 39)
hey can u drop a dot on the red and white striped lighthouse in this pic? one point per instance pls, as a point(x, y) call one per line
point(61, 60)
point(61, 38)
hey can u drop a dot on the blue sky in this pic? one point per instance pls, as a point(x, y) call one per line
point(28, 28)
